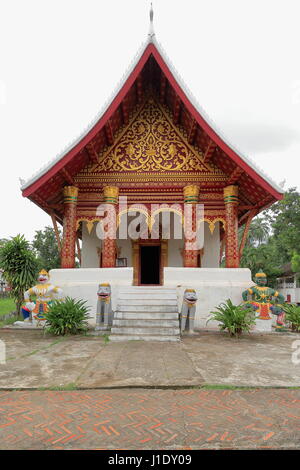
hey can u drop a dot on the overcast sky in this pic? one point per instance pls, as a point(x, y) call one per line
point(61, 59)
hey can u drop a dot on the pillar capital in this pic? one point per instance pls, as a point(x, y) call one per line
point(70, 194)
point(111, 194)
point(231, 195)
point(191, 194)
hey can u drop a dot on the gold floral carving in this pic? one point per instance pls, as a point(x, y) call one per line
point(152, 144)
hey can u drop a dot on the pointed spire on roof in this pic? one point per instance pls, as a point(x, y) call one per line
point(151, 33)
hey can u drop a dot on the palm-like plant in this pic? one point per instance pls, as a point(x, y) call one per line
point(292, 315)
point(19, 267)
point(233, 318)
point(67, 317)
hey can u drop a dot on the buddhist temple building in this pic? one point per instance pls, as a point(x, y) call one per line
point(151, 145)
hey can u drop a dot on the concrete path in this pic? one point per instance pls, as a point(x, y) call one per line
point(35, 361)
point(150, 419)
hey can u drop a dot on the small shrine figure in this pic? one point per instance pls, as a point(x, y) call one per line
point(45, 293)
point(188, 311)
point(104, 314)
point(263, 298)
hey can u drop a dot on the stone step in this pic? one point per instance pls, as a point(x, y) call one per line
point(147, 296)
point(148, 330)
point(125, 337)
point(140, 322)
point(147, 309)
point(128, 315)
point(146, 313)
point(149, 302)
point(147, 289)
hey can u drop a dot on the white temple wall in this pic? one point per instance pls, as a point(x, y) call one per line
point(125, 250)
point(91, 244)
point(211, 255)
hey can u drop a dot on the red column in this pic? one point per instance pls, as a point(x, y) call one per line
point(69, 224)
point(190, 254)
point(109, 246)
point(231, 201)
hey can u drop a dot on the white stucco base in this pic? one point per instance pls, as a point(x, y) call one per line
point(83, 283)
point(213, 286)
point(264, 326)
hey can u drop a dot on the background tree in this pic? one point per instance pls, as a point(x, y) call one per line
point(274, 238)
point(19, 266)
point(46, 248)
point(284, 217)
point(295, 263)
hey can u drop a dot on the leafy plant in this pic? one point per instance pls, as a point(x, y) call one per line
point(233, 318)
point(106, 339)
point(292, 315)
point(19, 267)
point(67, 317)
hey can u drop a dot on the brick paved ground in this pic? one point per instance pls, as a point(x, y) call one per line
point(150, 419)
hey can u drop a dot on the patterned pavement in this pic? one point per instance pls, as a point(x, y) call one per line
point(150, 419)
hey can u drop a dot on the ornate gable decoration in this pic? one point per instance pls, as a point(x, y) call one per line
point(151, 144)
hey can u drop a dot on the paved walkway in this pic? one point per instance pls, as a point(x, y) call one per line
point(150, 419)
point(35, 361)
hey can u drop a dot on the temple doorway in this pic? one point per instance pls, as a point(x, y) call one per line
point(150, 264)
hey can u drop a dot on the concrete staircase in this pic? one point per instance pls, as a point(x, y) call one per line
point(146, 313)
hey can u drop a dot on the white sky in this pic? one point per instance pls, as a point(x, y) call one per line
point(61, 59)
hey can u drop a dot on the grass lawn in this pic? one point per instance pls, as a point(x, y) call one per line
point(6, 306)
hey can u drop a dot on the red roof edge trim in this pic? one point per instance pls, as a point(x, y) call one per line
point(211, 132)
point(97, 127)
point(151, 49)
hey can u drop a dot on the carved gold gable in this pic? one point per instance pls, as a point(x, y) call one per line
point(150, 144)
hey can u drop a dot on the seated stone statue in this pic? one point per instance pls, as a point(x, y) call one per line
point(45, 293)
point(188, 311)
point(104, 314)
point(263, 298)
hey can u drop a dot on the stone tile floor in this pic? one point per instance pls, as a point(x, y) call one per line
point(35, 361)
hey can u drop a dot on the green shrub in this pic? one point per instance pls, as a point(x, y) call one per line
point(233, 318)
point(67, 317)
point(292, 315)
point(19, 266)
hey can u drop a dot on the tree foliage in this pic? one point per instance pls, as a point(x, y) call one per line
point(19, 266)
point(274, 238)
point(46, 248)
point(284, 218)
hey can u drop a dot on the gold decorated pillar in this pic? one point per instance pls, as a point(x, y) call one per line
point(231, 201)
point(109, 246)
point(69, 227)
point(190, 252)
